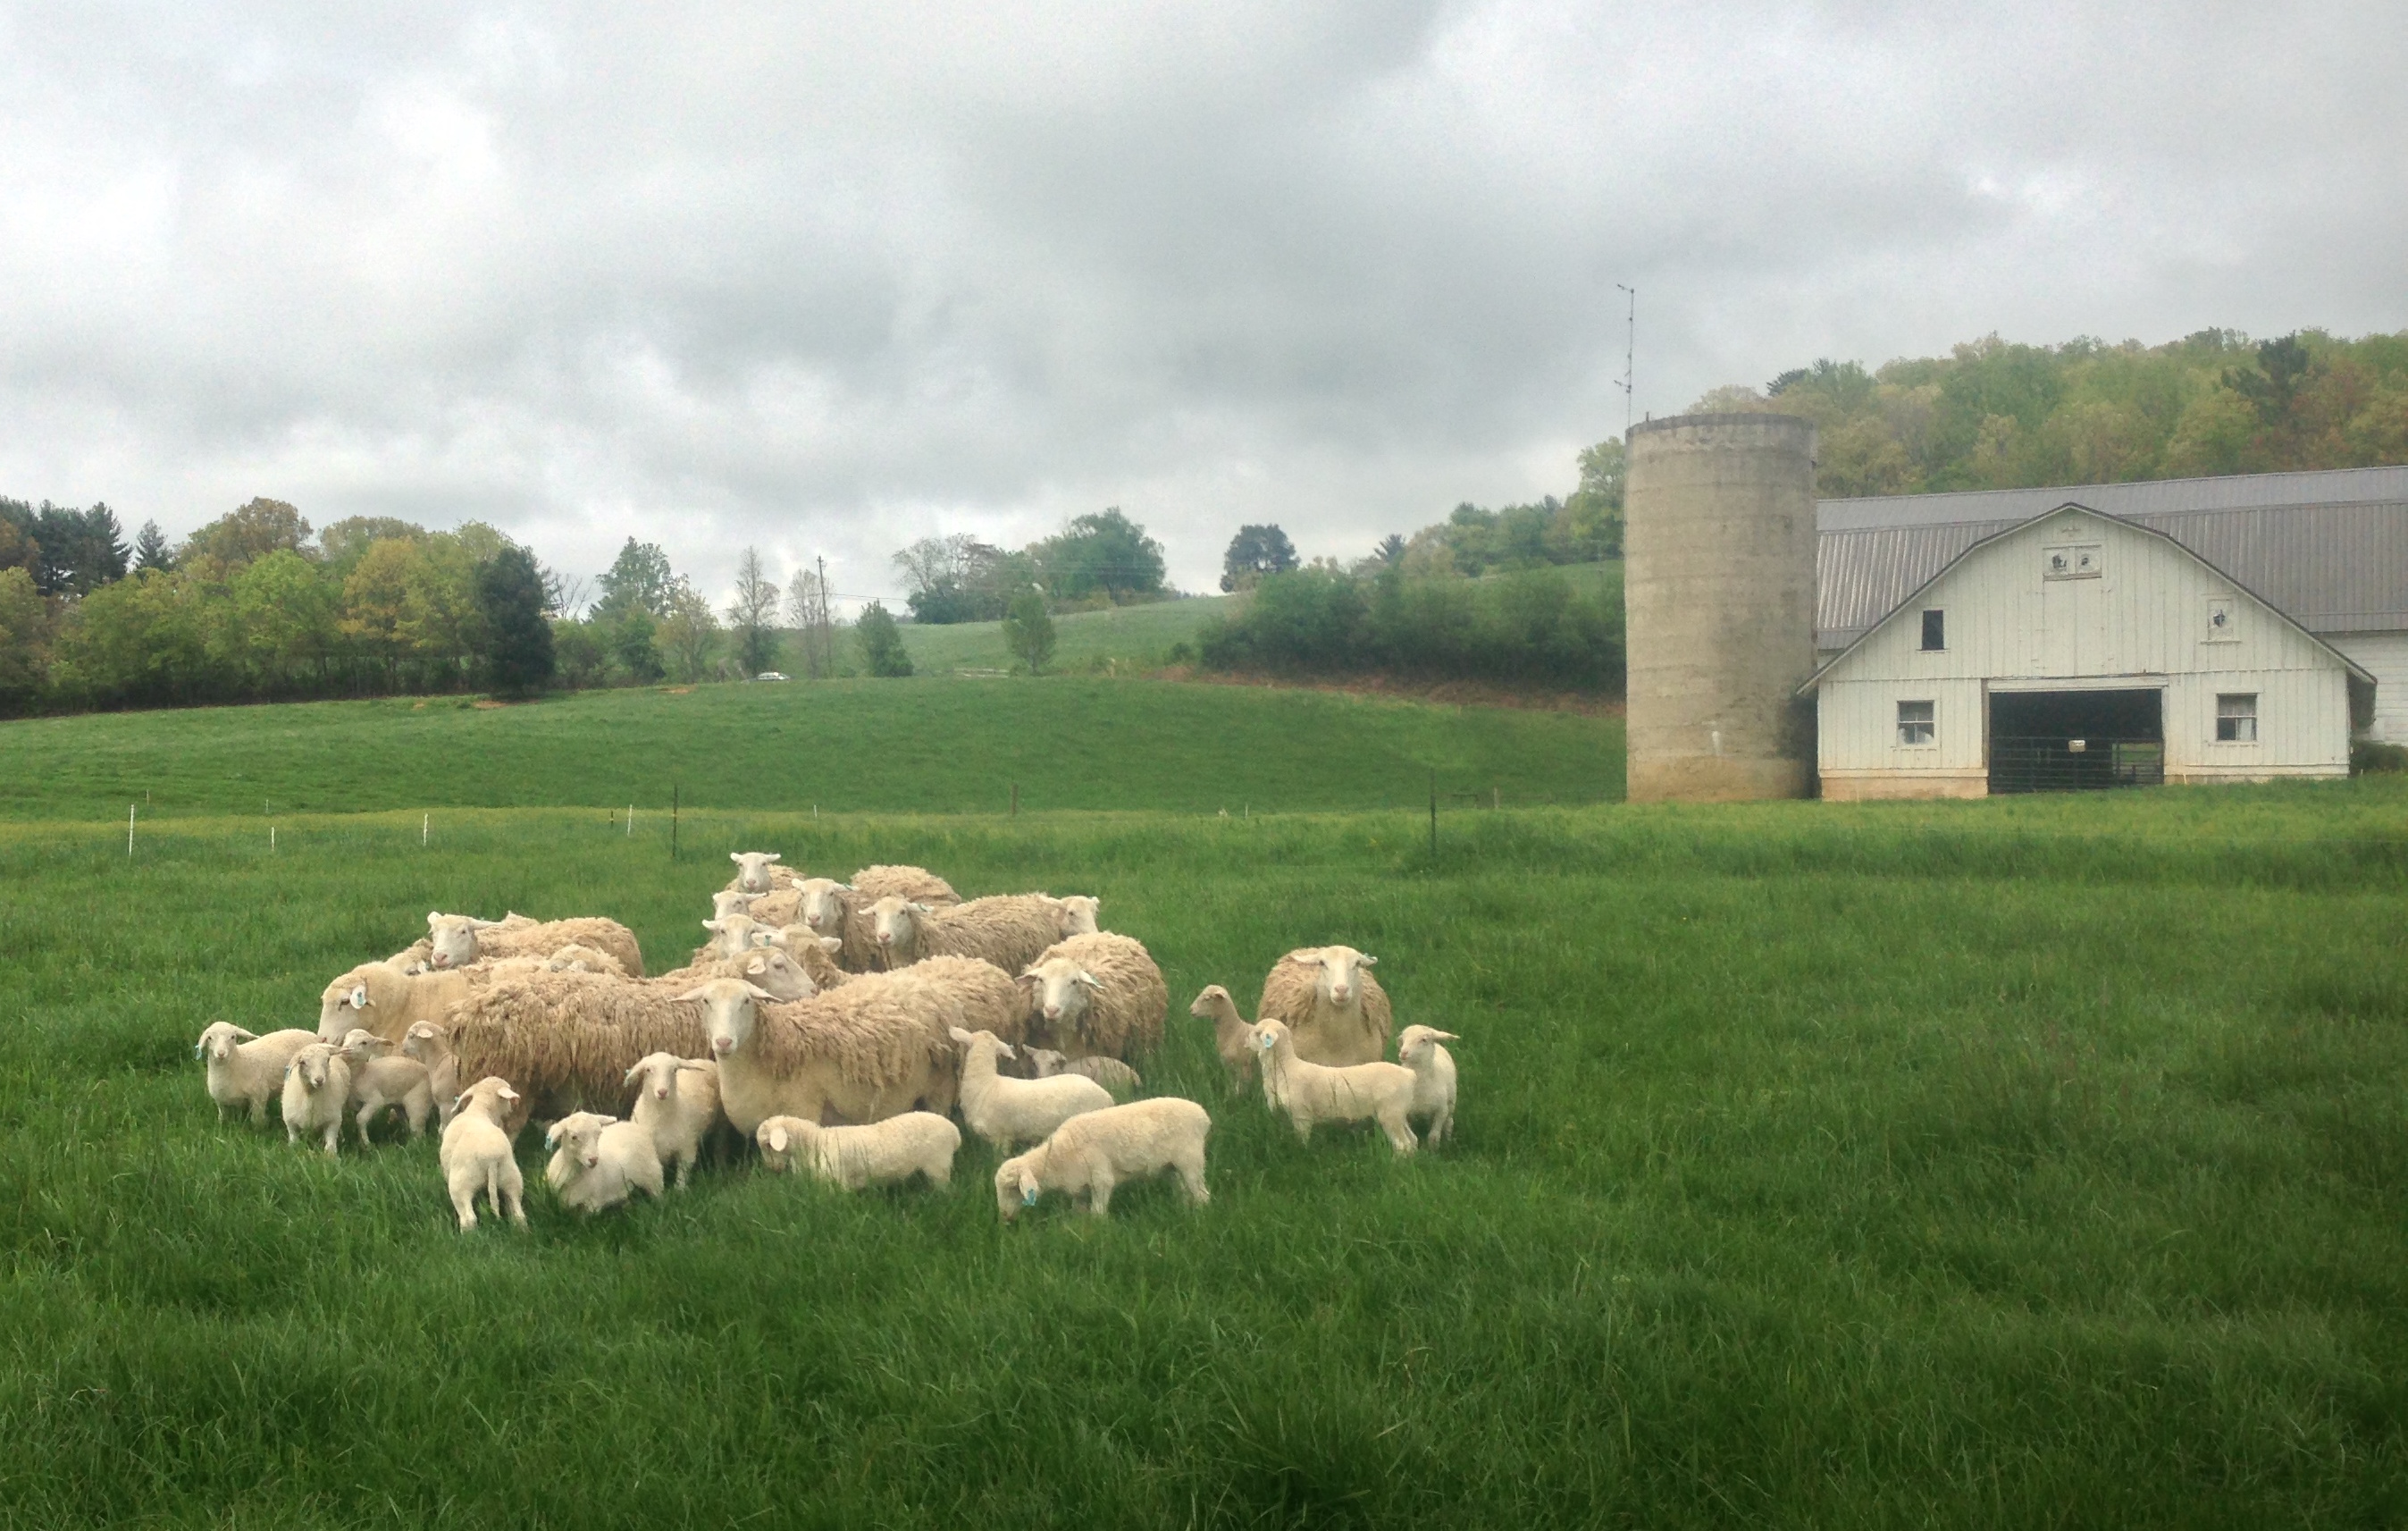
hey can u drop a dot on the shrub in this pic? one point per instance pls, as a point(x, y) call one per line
point(1029, 633)
point(1529, 628)
point(881, 641)
point(2371, 757)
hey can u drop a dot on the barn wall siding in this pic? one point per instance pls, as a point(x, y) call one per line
point(2384, 655)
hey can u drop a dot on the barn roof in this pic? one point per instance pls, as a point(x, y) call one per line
point(2328, 549)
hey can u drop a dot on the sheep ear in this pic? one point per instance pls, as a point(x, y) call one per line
point(241, 1035)
point(737, 857)
point(771, 857)
point(778, 1140)
point(690, 996)
point(766, 938)
point(1445, 1036)
point(359, 996)
point(844, 887)
point(711, 925)
point(831, 944)
point(610, 1121)
point(1004, 1048)
point(758, 965)
point(920, 909)
point(551, 1137)
point(1089, 979)
point(507, 1093)
point(960, 1036)
point(1368, 960)
point(631, 1074)
point(432, 916)
point(760, 993)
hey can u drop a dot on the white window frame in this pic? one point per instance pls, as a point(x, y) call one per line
point(1929, 724)
point(2227, 631)
point(2239, 735)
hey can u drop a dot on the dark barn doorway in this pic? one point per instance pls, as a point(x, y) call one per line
point(2074, 740)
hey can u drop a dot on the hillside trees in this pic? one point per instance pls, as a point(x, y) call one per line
point(753, 615)
point(1029, 633)
point(882, 643)
point(510, 599)
point(1255, 553)
point(1094, 560)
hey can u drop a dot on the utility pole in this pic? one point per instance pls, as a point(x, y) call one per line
point(1629, 357)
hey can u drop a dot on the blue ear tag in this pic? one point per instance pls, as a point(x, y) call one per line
point(1028, 1195)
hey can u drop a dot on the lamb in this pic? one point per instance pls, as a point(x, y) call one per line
point(379, 1081)
point(1077, 913)
point(1009, 931)
point(877, 1047)
point(1233, 1034)
point(599, 1162)
point(459, 940)
point(677, 1100)
point(1095, 1151)
point(387, 1001)
point(883, 1153)
point(1433, 1066)
point(430, 1042)
point(1007, 1111)
point(1097, 996)
point(1311, 1092)
point(245, 1069)
point(476, 1153)
point(1111, 1073)
point(1338, 1013)
point(317, 1087)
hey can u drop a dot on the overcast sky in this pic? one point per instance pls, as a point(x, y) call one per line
point(826, 279)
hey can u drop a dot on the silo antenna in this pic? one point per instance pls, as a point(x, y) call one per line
point(1630, 355)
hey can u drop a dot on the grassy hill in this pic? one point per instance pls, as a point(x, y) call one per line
point(2036, 1160)
point(1137, 637)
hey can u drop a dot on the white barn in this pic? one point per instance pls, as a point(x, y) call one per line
point(2075, 648)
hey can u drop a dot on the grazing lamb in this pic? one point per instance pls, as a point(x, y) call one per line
point(1433, 1066)
point(850, 1158)
point(1009, 929)
point(1111, 1073)
point(1337, 1011)
point(430, 1042)
point(677, 1100)
point(245, 1069)
point(460, 940)
point(317, 1087)
point(1233, 1034)
point(1096, 995)
point(476, 1153)
point(379, 1081)
point(599, 1162)
point(1311, 1092)
point(1007, 1111)
point(387, 1001)
point(1095, 1151)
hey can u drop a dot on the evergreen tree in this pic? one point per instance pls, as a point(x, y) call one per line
point(881, 641)
point(150, 548)
point(510, 596)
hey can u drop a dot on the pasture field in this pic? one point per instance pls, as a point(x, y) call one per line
point(1137, 637)
point(2036, 1161)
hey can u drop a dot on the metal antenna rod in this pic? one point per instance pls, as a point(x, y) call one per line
point(1630, 355)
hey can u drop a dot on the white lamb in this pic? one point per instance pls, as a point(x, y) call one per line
point(1111, 1073)
point(430, 1042)
point(1078, 914)
point(600, 1161)
point(677, 1100)
point(476, 1153)
point(379, 1081)
point(1433, 1066)
point(245, 1069)
point(1005, 1110)
point(1095, 1151)
point(317, 1087)
point(850, 1158)
point(1315, 1092)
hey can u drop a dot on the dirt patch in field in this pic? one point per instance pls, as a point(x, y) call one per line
point(488, 705)
point(1447, 693)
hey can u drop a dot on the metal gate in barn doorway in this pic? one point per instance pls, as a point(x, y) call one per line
point(2076, 741)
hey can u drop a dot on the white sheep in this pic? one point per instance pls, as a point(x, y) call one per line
point(244, 1069)
point(1433, 1066)
point(1327, 998)
point(578, 958)
point(752, 873)
point(1009, 931)
point(677, 1100)
point(387, 1000)
point(379, 1081)
point(1111, 1073)
point(458, 941)
point(317, 1087)
point(1006, 1111)
point(1095, 1151)
point(1095, 994)
point(1233, 1034)
point(1078, 914)
point(1312, 1093)
point(430, 1042)
point(599, 1162)
point(476, 1153)
point(881, 1153)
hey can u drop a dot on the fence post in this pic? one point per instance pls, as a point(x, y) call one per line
point(673, 820)
point(1015, 800)
point(129, 828)
point(1433, 813)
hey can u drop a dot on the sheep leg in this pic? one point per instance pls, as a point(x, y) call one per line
point(941, 1174)
point(464, 1203)
point(685, 1167)
point(514, 1188)
point(367, 1114)
point(334, 1135)
point(1399, 1131)
point(1303, 1126)
point(1191, 1174)
point(1099, 1187)
point(416, 1109)
point(1443, 1128)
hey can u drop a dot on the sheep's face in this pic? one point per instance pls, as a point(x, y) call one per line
point(780, 974)
point(1077, 914)
point(360, 1045)
point(313, 1065)
point(1267, 1036)
point(580, 1136)
point(895, 923)
point(727, 1012)
point(822, 904)
point(778, 1138)
point(1015, 1187)
point(426, 1041)
point(217, 1044)
point(1415, 1044)
point(453, 938)
point(725, 903)
point(1341, 980)
point(1043, 1062)
point(1212, 1003)
point(1058, 989)
point(752, 871)
point(348, 1002)
point(655, 1074)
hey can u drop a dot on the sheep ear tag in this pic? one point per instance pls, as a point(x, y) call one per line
point(360, 997)
point(778, 1140)
point(1027, 1195)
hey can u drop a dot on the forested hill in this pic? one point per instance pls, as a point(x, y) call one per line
point(1992, 415)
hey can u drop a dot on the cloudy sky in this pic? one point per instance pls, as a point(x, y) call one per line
point(826, 279)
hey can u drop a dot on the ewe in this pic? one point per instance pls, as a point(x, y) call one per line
point(850, 1158)
point(459, 940)
point(1095, 1151)
point(387, 1000)
point(317, 1087)
point(599, 1162)
point(1097, 994)
point(677, 1100)
point(1433, 1066)
point(1310, 1092)
point(1337, 1011)
point(1006, 1111)
point(1009, 929)
point(476, 1153)
point(245, 1069)
point(379, 1081)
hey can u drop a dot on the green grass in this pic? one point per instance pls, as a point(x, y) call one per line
point(936, 746)
point(2009, 1163)
point(1132, 637)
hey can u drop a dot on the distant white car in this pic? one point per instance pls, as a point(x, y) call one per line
point(772, 675)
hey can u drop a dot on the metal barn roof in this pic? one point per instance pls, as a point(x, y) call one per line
point(2328, 549)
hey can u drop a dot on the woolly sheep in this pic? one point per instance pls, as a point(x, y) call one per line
point(245, 1069)
point(752, 871)
point(568, 1039)
point(386, 1002)
point(476, 1153)
point(1095, 994)
point(772, 967)
point(677, 1100)
point(459, 940)
point(1336, 1012)
point(830, 907)
point(317, 1087)
point(1311, 1092)
point(579, 958)
point(1233, 1034)
point(599, 1162)
point(1009, 929)
point(814, 952)
point(1095, 1151)
point(1433, 1066)
point(731, 936)
point(916, 883)
point(430, 1042)
point(1111, 1073)
point(379, 1081)
point(1078, 914)
point(881, 1153)
point(725, 903)
point(1006, 1111)
point(836, 911)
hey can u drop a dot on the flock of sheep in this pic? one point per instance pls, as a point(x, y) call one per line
point(837, 1026)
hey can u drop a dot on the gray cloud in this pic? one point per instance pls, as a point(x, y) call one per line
point(827, 282)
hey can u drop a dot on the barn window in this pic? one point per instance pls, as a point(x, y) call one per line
point(1935, 630)
point(1915, 725)
point(2236, 718)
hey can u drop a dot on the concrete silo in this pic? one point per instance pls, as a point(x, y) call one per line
point(1719, 549)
